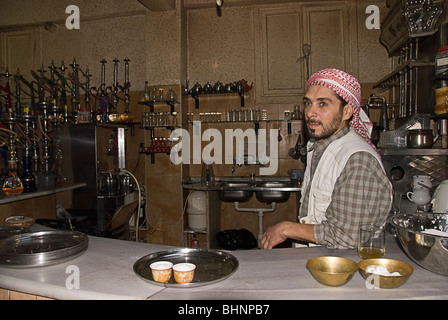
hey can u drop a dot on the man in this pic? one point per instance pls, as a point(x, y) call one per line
point(344, 184)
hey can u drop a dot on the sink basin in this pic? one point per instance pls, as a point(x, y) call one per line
point(269, 196)
point(235, 191)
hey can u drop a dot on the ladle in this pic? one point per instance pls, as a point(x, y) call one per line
point(423, 185)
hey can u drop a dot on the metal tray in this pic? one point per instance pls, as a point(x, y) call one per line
point(212, 266)
point(43, 248)
point(7, 231)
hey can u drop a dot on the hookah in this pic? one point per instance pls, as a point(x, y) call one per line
point(45, 179)
point(75, 103)
point(12, 184)
point(104, 100)
point(30, 120)
point(126, 116)
point(108, 107)
point(63, 81)
point(27, 177)
point(113, 115)
point(56, 119)
point(85, 114)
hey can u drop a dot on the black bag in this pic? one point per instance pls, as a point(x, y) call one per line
point(236, 239)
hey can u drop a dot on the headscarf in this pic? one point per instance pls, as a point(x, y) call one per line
point(348, 88)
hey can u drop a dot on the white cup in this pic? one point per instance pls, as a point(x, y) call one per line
point(419, 196)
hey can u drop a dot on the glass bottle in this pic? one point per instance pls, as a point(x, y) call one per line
point(13, 184)
point(146, 95)
point(28, 179)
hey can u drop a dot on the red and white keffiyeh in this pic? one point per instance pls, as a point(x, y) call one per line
point(349, 89)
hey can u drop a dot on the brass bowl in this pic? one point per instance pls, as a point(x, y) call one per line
point(387, 282)
point(19, 221)
point(332, 271)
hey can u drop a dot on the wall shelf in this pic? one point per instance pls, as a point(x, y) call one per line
point(39, 193)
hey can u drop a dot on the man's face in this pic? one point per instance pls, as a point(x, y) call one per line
point(323, 113)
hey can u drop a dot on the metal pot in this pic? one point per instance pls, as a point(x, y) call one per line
point(421, 138)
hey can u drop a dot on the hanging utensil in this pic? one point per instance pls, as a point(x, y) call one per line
point(279, 138)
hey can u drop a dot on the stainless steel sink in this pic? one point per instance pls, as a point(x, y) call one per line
point(235, 191)
point(269, 196)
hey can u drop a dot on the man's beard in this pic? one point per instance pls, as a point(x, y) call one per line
point(327, 131)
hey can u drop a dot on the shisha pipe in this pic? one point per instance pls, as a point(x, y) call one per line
point(75, 88)
point(126, 116)
point(20, 79)
point(115, 87)
point(87, 104)
point(62, 86)
point(102, 96)
point(7, 90)
point(29, 118)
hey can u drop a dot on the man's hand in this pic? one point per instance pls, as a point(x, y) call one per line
point(281, 231)
point(274, 235)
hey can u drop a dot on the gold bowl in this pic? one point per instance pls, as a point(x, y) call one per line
point(389, 281)
point(332, 271)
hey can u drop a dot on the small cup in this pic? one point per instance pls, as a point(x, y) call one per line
point(161, 271)
point(184, 272)
point(371, 241)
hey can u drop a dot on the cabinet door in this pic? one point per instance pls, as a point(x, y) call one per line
point(331, 32)
point(278, 46)
point(18, 49)
point(281, 71)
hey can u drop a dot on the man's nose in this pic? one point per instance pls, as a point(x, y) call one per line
point(310, 111)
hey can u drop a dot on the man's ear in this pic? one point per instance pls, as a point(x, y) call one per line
point(347, 112)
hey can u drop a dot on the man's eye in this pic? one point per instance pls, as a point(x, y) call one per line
point(306, 103)
point(322, 104)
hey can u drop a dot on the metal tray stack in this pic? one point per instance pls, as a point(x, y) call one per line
point(43, 248)
point(212, 266)
point(8, 231)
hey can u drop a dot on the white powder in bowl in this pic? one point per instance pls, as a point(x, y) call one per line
point(382, 271)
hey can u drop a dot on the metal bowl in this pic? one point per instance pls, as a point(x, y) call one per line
point(427, 250)
point(332, 271)
point(387, 282)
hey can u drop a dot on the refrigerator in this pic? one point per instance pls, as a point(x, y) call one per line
point(98, 151)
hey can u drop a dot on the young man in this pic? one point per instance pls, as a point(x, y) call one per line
point(344, 184)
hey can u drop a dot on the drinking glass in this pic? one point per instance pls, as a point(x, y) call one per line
point(371, 241)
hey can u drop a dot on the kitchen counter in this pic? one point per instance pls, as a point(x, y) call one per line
point(106, 272)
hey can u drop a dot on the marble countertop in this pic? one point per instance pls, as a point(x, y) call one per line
point(106, 272)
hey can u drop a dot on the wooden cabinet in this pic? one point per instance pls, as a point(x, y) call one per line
point(280, 34)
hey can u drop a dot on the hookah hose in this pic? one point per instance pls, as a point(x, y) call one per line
point(139, 201)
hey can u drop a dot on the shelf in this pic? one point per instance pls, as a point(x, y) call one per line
point(151, 104)
point(412, 152)
point(39, 193)
point(390, 80)
point(217, 94)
